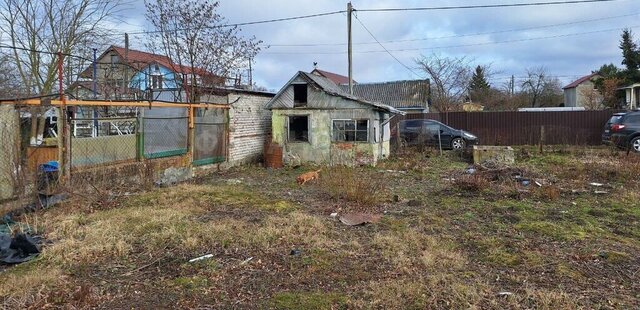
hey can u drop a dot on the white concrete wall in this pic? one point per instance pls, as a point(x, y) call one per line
point(249, 125)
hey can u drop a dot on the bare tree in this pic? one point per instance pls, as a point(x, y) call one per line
point(194, 36)
point(450, 77)
point(610, 90)
point(592, 99)
point(542, 89)
point(38, 29)
point(534, 84)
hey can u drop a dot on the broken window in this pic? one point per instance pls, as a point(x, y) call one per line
point(351, 130)
point(299, 128)
point(299, 95)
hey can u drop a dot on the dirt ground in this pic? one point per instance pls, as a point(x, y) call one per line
point(556, 230)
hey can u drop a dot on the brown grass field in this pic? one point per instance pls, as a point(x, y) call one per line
point(446, 240)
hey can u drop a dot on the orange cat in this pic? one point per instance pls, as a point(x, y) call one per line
point(308, 176)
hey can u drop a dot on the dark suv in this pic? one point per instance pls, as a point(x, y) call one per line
point(626, 133)
point(615, 119)
point(433, 133)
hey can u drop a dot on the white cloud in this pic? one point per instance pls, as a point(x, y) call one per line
point(563, 56)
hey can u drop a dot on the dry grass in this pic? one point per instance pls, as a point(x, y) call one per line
point(455, 250)
point(352, 184)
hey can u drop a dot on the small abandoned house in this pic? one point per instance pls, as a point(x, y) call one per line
point(315, 120)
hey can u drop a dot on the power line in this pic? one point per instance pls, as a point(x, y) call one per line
point(394, 57)
point(248, 23)
point(484, 6)
point(458, 46)
point(460, 35)
point(140, 70)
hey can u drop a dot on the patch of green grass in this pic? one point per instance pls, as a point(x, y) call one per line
point(393, 224)
point(561, 232)
point(191, 283)
point(307, 300)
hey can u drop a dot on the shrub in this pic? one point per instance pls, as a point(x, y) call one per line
point(351, 184)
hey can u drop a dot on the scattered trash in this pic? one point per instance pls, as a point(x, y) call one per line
point(43, 202)
point(393, 171)
point(470, 170)
point(308, 176)
point(525, 182)
point(600, 192)
point(354, 219)
point(334, 214)
point(19, 249)
point(538, 184)
point(244, 262)
point(596, 184)
point(201, 258)
point(233, 181)
point(504, 294)
point(295, 252)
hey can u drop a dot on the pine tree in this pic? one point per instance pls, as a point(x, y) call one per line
point(630, 53)
point(479, 87)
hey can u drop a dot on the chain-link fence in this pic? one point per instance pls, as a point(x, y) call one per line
point(210, 136)
point(99, 136)
point(96, 141)
point(165, 132)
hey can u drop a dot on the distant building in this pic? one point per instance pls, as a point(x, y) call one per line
point(130, 74)
point(632, 95)
point(577, 92)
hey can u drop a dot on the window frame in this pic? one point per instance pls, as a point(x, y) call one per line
point(308, 116)
point(306, 91)
point(157, 81)
point(355, 131)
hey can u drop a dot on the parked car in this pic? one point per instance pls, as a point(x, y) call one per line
point(626, 133)
point(433, 133)
point(606, 134)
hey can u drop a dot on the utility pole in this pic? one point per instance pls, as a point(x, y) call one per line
point(250, 75)
point(513, 82)
point(125, 83)
point(349, 49)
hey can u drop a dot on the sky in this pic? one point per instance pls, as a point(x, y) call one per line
point(569, 40)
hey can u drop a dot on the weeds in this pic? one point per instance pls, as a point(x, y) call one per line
point(351, 184)
point(471, 183)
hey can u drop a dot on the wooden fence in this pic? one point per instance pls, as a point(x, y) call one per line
point(525, 128)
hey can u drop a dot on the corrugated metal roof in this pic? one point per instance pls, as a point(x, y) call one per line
point(398, 94)
point(334, 77)
point(332, 88)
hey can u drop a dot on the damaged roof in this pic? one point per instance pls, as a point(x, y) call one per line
point(398, 94)
point(332, 88)
point(334, 77)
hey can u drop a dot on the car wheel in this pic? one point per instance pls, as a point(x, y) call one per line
point(458, 144)
point(635, 144)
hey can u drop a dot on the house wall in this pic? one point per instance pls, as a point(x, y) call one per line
point(249, 126)
point(570, 97)
point(142, 79)
point(9, 135)
point(321, 149)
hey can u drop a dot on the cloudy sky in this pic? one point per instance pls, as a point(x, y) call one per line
point(569, 40)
